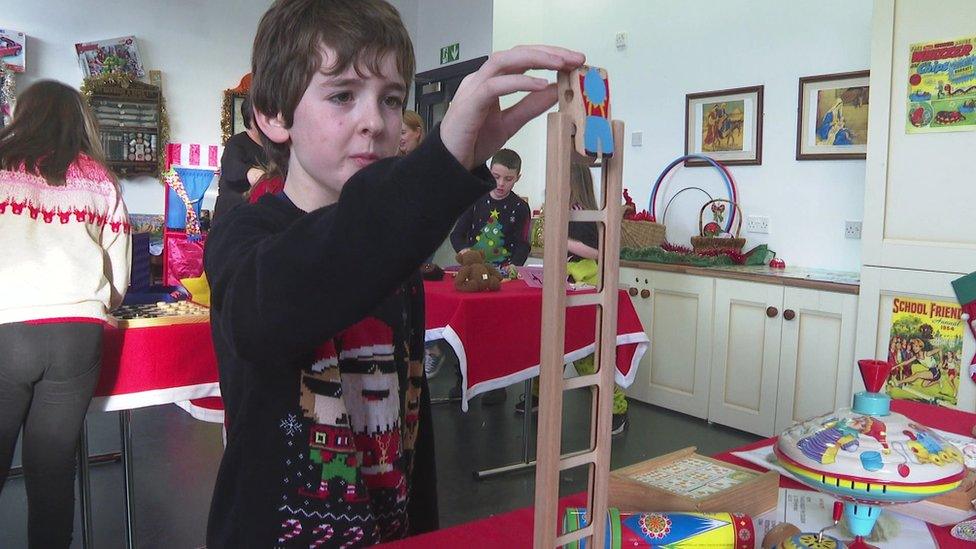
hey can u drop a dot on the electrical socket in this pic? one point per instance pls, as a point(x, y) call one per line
point(757, 224)
point(852, 230)
point(621, 40)
point(637, 139)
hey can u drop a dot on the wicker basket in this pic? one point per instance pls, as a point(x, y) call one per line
point(704, 243)
point(640, 234)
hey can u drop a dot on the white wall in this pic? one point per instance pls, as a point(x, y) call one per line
point(675, 48)
point(444, 22)
point(202, 48)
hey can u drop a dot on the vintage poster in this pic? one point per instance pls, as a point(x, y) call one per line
point(942, 87)
point(113, 55)
point(13, 49)
point(925, 347)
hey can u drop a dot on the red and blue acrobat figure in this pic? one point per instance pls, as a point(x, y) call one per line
point(598, 136)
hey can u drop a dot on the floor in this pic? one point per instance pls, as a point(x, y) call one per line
point(176, 459)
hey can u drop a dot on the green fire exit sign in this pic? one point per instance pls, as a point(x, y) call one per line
point(450, 53)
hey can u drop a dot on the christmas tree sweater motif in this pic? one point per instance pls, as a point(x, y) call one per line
point(498, 228)
point(317, 322)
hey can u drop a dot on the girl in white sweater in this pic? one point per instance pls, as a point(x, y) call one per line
point(64, 240)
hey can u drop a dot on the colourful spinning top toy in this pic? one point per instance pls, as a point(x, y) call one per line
point(868, 456)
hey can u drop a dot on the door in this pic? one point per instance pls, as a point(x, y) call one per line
point(816, 354)
point(434, 89)
point(876, 303)
point(745, 355)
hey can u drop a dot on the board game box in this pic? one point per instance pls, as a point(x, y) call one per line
point(686, 481)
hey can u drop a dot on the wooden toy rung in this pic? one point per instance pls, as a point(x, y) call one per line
point(598, 216)
point(583, 300)
point(574, 536)
point(581, 381)
point(577, 460)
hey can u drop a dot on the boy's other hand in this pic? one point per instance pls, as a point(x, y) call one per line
point(475, 127)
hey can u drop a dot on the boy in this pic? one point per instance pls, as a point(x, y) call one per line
point(317, 313)
point(498, 223)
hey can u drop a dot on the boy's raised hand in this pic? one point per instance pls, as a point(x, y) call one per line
point(475, 127)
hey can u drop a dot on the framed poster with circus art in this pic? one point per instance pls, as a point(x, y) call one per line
point(725, 125)
point(832, 117)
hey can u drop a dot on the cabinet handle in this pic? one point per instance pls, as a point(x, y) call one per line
point(632, 291)
point(789, 314)
point(771, 312)
point(645, 294)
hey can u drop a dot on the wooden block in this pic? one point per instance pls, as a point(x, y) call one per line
point(584, 94)
point(961, 498)
point(687, 481)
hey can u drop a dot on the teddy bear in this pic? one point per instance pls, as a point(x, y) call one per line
point(475, 275)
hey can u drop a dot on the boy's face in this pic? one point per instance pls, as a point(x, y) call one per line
point(505, 179)
point(343, 123)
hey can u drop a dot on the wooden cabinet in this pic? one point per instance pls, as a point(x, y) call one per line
point(676, 311)
point(750, 355)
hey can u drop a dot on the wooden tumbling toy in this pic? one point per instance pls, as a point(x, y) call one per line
point(576, 131)
point(585, 95)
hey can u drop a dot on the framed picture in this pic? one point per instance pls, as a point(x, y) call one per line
point(231, 121)
point(725, 125)
point(832, 117)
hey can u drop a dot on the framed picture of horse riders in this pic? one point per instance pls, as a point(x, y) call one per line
point(832, 117)
point(725, 125)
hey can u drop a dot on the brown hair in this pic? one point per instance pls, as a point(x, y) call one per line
point(581, 187)
point(287, 53)
point(413, 121)
point(508, 158)
point(52, 125)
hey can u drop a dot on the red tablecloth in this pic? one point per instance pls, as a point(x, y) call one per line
point(156, 365)
point(496, 334)
point(514, 529)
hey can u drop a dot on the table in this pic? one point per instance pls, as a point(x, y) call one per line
point(496, 334)
point(146, 367)
point(514, 529)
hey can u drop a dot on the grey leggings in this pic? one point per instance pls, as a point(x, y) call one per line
point(48, 374)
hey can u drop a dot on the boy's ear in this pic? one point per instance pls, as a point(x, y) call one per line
point(272, 126)
point(517, 177)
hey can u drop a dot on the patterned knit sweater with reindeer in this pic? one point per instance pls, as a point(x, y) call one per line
point(66, 247)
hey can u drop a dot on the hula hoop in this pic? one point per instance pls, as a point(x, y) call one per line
point(722, 169)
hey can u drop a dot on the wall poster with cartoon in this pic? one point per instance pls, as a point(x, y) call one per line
point(925, 348)
point(942, 86)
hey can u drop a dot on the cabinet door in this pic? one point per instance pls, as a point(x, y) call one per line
point(879, 289)
point(636, 280)
point(913, 183)
point(682, 326)
point(745, 355)
point(816, 354)
point(677, 316)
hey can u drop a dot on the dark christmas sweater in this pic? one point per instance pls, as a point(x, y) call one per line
point(500, 228)
point(241, 154)
point(319, 344)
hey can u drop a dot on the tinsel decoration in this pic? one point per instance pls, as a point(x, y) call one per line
point(173, 181)
point(8, 95)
